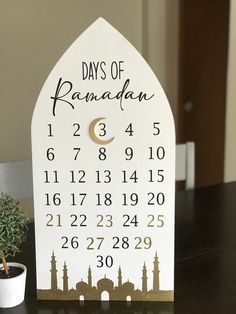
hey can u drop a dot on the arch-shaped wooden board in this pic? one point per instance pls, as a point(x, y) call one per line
point(103, 146)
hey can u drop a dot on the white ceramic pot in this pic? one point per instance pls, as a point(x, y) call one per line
point(12, 290)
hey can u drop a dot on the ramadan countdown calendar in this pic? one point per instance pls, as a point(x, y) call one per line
point(103, 150)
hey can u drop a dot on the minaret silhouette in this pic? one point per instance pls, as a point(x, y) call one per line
point(65, 278)
point(53, 272)
point(89, 277)
point(119, 277)
point(156, 285)
point(144, 278)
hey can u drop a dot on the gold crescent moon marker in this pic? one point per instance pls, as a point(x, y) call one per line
point(93, 134)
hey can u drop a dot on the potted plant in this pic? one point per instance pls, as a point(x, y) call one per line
point(13, 225)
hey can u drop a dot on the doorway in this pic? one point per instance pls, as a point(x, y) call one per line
point(104, 296)
point(203, 42)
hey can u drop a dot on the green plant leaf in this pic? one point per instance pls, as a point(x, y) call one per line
point(13, 225)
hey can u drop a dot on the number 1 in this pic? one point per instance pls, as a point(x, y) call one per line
point(50, 130)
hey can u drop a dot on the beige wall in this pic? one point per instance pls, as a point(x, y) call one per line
point(160, 45)
point(230, 141)
point(33, 36)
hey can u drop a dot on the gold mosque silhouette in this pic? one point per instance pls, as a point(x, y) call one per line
point(122, 291)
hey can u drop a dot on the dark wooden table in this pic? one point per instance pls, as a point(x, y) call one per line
point(205, 265)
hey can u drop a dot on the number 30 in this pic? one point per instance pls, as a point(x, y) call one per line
point(107, 261)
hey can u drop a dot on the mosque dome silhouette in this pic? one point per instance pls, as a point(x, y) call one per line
point(105, 284)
